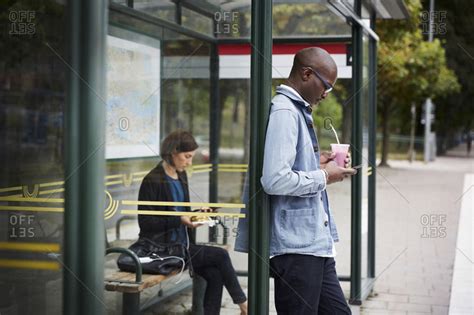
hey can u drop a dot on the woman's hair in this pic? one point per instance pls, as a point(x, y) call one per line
point(176, 142)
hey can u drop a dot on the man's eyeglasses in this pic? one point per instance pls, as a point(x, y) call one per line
point(327, 86)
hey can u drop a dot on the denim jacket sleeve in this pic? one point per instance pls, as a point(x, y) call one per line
point(281, 148)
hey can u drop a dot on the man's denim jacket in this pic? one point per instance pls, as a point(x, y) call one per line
point(295, 183)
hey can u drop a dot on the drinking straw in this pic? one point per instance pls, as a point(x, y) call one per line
point(335, 133)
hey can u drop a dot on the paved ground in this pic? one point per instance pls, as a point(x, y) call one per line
point(462, 289)
point(417, 220)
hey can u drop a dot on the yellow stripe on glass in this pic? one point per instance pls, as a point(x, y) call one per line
point(29, 264)
point(180, 213)
point(31, 247)
point(184, 204)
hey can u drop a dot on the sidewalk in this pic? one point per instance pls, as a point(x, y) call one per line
point(418, 207)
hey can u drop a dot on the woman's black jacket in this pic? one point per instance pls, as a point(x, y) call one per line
point(155, 187)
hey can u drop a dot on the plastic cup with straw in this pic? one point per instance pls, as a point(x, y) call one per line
point(339, 149)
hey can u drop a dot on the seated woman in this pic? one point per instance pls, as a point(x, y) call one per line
point(168, 182)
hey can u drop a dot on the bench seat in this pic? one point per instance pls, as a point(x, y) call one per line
point(122, 281)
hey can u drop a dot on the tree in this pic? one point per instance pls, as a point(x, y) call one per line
point(410, 69)
point(457, 109)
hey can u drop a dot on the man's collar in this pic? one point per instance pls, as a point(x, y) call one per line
point(290, 92)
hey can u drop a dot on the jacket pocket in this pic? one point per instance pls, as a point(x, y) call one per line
point(298, 227)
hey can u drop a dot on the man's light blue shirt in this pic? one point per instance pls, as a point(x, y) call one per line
point(301, 220)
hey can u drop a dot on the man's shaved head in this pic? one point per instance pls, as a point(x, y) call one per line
point(301, 78)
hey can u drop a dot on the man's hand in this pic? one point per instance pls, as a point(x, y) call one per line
point(325, 157)
point(347, 161)
point(337, 173)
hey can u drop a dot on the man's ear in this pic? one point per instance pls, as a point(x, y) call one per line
point(305, 74)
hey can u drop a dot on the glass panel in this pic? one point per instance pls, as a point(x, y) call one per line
point(166, 87)
point(166, 10)
point(185, 102)
point(32, 100)
point(233, 22)
point(163, 9)
point(307, 19)
point(233, 17)
point(185, 105)
point(124, 21)
point(234, 152)
point(134, 50)
point(289, 19)
point(196, 21)
point(122, 2)
point(335, 110)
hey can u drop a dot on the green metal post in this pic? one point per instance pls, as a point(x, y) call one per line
point(214, 130)
point(71, 148)
point(178, 13)
point(372, 148)
point(84, 164)
point(260, 97)
point(356, 187)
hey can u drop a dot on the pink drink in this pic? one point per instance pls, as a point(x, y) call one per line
point(341, 151)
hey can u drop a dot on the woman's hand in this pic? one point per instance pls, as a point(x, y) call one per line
point(190, 221)
point(206, 209)
point(186, 220)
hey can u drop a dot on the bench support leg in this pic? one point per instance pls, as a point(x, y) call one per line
point(131, 304)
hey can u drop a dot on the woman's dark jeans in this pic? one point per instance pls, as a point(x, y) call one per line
point(215, 266)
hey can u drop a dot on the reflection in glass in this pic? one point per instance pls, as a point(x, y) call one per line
point(289, 19)
point(196, 21)
point(32, 97)
point(163, 9)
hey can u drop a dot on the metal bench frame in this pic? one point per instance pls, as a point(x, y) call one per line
point(130, 301)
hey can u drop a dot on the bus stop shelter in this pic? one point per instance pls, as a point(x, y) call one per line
point(181, 59)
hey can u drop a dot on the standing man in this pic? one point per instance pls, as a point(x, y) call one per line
point(295, 176)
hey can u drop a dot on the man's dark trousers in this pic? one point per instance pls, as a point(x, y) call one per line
point(306, 284)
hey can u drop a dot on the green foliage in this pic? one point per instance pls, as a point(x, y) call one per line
point(329, 109)
point(410, 68)
point(186, 105)
point(307, 19)
point(454, 113)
